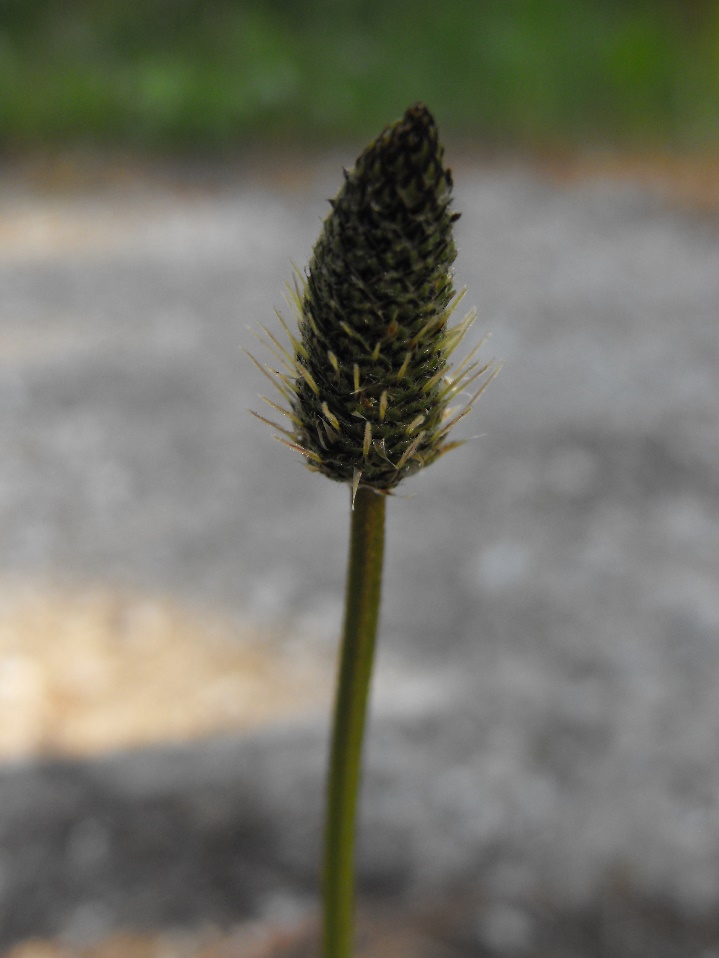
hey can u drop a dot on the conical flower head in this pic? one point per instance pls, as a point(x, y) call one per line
point(367, 381)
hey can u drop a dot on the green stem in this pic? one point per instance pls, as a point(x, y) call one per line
point(362, 599)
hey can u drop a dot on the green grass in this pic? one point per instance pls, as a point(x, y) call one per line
point(193, 74)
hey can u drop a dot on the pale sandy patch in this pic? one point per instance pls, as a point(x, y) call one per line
point(87, 671)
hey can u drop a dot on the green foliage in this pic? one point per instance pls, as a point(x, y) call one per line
point(192, 73)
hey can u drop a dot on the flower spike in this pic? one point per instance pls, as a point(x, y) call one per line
point(371, 359)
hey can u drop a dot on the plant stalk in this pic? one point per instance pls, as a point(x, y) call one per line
point(362, 600)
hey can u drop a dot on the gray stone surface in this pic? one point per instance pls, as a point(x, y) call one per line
point(546, 711)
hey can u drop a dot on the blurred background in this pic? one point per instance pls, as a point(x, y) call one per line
point(180, 73)
point(542, 767)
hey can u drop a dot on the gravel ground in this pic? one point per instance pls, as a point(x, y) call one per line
point(546, 717)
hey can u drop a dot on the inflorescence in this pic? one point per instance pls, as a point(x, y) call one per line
point(366, 378)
